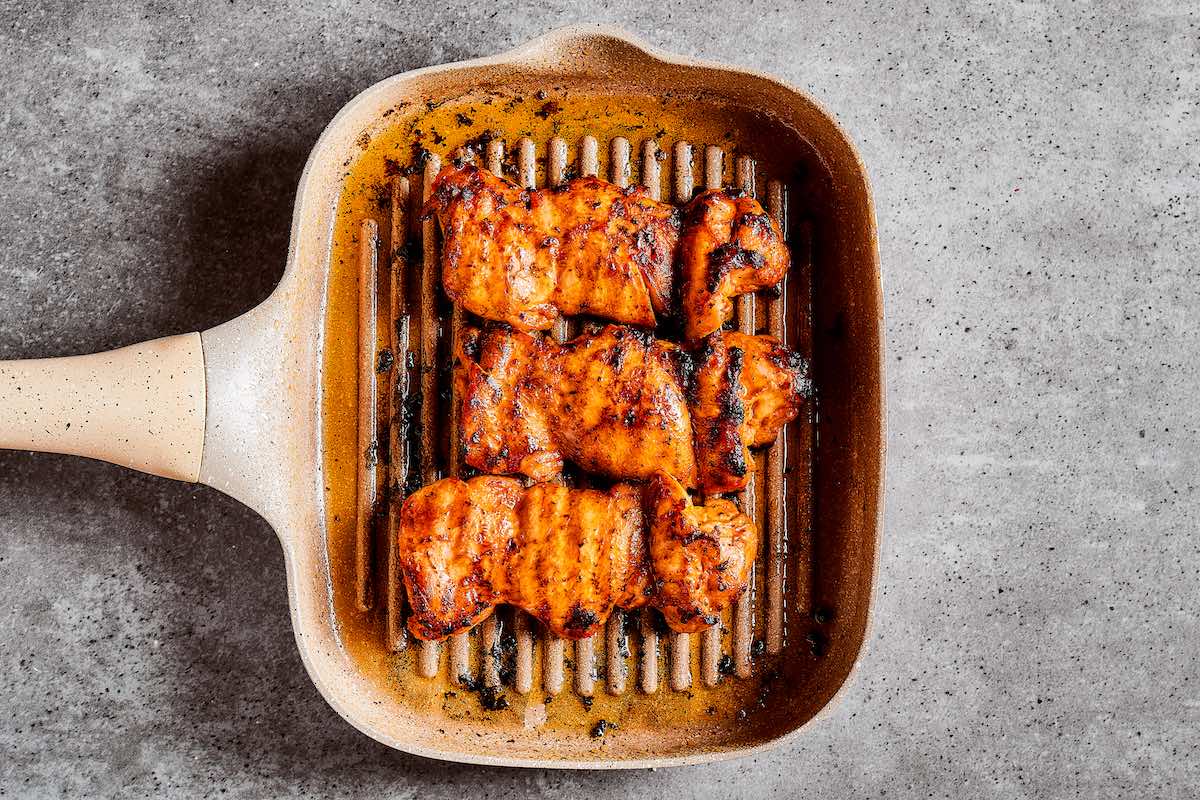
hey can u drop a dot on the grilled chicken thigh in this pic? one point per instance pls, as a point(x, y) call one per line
point(730, 246)
point(505, 400)
point(454, 538)
point(700, 555)
point(616, 250)
point(590, 247)
point(610, 402)
point(743, 390)
point(776, 383)
point(579, 553)
point(567, 556)
point(522, 256)
point(497, 261)
point(620, 409)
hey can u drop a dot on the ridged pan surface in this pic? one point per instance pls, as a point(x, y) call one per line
point(591, 102)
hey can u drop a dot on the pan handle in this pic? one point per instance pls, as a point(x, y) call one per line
point(141, 406)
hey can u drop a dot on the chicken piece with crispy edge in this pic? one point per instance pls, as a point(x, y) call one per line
point(454, 538)
point(617, 253)
point(620, 409)
point(580, 553)
point(497, 259)
point(730, 246)
point(776, 383)
point(742, 390)
point(567, 556)
point(623, 405)
point(524, 256)
point(700, 556)
point(504, 401)
point(611, 402)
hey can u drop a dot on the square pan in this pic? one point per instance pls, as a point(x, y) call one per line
point(579, 69)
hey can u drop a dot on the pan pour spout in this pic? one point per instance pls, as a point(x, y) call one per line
point(569, 557)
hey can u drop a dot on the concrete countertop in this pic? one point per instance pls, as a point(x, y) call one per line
point(1036, 173)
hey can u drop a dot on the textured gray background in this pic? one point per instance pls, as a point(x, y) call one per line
point(1036, 172)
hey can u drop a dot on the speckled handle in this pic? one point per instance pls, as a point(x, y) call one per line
point(142, 406)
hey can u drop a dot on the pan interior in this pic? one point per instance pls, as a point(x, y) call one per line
point(823, 634)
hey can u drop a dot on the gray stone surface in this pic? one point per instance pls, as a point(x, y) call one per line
point(1036, 173)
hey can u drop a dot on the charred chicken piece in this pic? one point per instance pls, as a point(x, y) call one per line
point(506, 391)
point(700, 555)
point(497, 259)
point(730, 246)
point(620, 409)
point(743, 390)
point(523, 257)
point(617, 250)
point(776, 384)
point(621, 404)
point(454, 538)
point(610, 402)
point(567, 556)
point(580, 553)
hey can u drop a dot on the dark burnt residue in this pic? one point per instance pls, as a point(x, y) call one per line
point(385, 361)
point(548, 109)
point(728, 257)
point(581, 620)
point(491, 698)
point(411, 412)
point(728, 398)
point(601, 728)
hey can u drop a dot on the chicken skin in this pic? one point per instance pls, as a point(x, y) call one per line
point(497, 261)
point(776, 383)
point(729, 247)
point(700, 555)
point(568, 556)
point(620, 409)
point(524, 256)
point(621, 404)
point(504, 402)
point(617, 250)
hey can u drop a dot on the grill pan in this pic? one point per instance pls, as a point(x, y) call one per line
point(331, 399)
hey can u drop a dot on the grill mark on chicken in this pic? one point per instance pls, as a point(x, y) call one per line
point(568, 556)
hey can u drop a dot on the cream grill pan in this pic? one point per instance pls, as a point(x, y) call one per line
point(324, 405)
